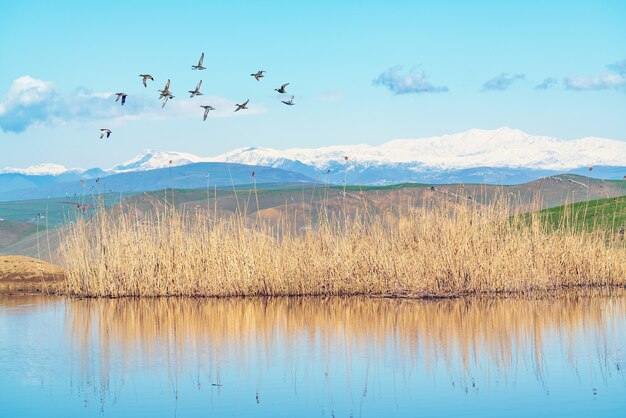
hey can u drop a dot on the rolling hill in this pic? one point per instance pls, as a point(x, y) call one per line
point(190, 176)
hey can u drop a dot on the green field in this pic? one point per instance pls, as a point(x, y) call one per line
point(608, 213)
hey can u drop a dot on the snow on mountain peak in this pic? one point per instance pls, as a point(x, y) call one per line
point(504, 147)
point(41, 170)
point(152, 159)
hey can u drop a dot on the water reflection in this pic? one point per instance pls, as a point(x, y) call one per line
point(347, 357)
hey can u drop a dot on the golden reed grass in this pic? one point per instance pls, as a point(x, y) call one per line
point(446, 247)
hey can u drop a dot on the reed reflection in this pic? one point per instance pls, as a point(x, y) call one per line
point(468, 340)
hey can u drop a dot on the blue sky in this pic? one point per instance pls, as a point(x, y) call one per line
point(361, 72)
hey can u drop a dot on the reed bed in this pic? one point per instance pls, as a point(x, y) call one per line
point(444, 248)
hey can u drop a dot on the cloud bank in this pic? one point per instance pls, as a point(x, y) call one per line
point(501, 82)
point(412, 82)
point(547, 84)
point(615, 78)
point(31, 101)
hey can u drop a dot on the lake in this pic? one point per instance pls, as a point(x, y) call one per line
point(314, 357)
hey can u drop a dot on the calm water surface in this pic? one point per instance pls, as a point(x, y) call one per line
point(564, 356)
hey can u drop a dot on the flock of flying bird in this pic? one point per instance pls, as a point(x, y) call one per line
point(166, 94)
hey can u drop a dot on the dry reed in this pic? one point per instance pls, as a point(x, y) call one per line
point(447, 247)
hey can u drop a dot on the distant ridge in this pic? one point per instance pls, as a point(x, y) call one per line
point(504, 147)
point(500, 156)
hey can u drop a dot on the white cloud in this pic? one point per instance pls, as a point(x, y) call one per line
point(30, 101)
point(615, 78)
point(502, 82)
point(412, 82)
point(547, 83)
point(599, 82)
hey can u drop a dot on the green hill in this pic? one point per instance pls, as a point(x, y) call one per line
point(608, 213)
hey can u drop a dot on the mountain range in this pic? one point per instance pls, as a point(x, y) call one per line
point(502, 156)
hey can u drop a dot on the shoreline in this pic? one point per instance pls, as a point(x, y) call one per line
point(22, 275)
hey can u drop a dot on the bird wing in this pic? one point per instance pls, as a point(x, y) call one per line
point(167, 85)
point(123, 99)
point(117, 97)
point(145, 84)
point(245, 103)
point(199, 84)
point(201, 60)
point(283, 86)
point(206, 113)
point(101, 134)
point(108, 133)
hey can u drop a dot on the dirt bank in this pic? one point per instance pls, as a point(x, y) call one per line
point(19, 275)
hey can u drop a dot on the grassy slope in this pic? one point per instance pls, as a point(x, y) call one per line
point(608, 213)
point(54, 211)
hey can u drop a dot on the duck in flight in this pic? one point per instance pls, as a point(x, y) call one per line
point(258, 75)
point(146, 77)
point(207, 109)
point(167, 97)
point(197, 91)
point(199, 66)
point(282, 90)
point(106, 132)
point(122, 96)
point(288, 102)
point(242, 106)
point(166, 90)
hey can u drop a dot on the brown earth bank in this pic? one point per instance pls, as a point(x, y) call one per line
point(26, 275)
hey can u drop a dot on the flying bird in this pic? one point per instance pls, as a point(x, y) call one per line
point(197, 91)
point(166, 90)
point(169, 96)
point(106, 132)
point(122, 96)
point(258, 75)
point(242, 106)
point(207, 109)
point(146, 77)
point(199, 66)
point(282, 90)
point(288, 102)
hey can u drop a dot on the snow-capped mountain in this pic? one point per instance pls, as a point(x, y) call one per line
point(491, 156)
point(152, 159)
point(504, 147)
point(41, 170)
